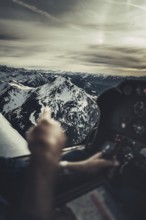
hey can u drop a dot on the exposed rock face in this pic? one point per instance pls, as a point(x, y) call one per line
point(13, 95)
point(73, 107)
point(71, 96)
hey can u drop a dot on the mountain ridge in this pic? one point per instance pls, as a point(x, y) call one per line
point(71, 96)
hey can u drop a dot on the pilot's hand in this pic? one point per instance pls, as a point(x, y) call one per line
point(96, 162)
point(46, 139)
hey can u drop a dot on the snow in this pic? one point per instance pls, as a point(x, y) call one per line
point(20, 86)
point(32, 118)
point(15, 100)
point(71, 105)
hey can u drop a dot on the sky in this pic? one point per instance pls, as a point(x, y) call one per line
point(94, 36)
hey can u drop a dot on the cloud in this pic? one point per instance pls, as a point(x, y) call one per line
point(127, 3)
point(21, 51)
point(47, 15)
point(57, 7)
point(77, 35)
point(36, 10)
point(113, 57)
point(8, 37)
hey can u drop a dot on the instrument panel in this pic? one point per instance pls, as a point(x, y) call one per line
point(124, 110)
point(123, 121)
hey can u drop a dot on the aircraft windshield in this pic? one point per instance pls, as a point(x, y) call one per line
point(63, 54)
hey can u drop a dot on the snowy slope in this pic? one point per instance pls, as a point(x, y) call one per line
point(24, 92)
point(13, 95)
point(31, 78)
point(91, 83)
point(73, 107)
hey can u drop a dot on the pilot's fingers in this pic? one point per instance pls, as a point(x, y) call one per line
point(45, 115)
point(100, 155)
point(108, 163)
point(45, 129)
point(97, 156)
point(55, 123)
point(45, 119)
point(49, 124)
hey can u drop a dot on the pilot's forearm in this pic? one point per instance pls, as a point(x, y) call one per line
point(45, 141)
point(69, 167)
point(92, 164)
point(38, 195)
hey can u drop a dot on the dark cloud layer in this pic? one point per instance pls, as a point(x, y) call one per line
point(115, 56)
point(77, 35)
point(55, 7)
point(8, 37)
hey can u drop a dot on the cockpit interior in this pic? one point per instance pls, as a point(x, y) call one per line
point(121, 132)
point(117, 193)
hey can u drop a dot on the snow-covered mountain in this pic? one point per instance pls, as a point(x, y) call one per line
point(30, 78)
point(93, 84)
point(73, 107)
point(13, 95)
point(71, 96)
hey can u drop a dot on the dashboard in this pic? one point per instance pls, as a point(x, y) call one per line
point(123, 122)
